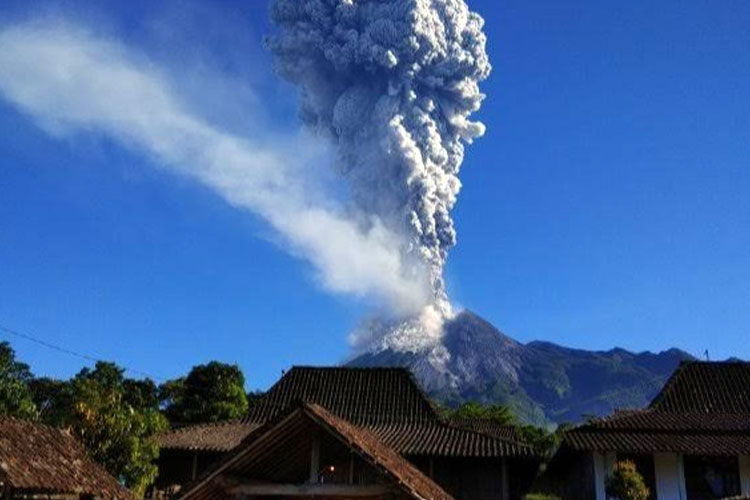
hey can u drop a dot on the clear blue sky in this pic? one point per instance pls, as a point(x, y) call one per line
point(606, 206)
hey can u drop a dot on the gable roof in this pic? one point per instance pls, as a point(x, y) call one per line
point(359, 395)
point(706, 387)
point(40, 458)
point(704, 408)
point(386, 401)
point(405, 476)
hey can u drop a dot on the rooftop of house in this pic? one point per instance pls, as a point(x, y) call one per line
point(39, 459)
point(366, 396)
point(386, 401)
point(704, 408)
point(706, 387)
point(271, 440)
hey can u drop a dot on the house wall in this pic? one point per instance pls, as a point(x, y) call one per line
point(603, 465)
point(745, 474)
point(670, 477)
point(569, 476)
point(479, 478)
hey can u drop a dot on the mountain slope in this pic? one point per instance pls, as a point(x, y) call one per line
point(542, 382)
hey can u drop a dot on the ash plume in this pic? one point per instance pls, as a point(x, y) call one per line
point(392, 83)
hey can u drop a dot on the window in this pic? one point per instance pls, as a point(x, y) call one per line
point(709, 478)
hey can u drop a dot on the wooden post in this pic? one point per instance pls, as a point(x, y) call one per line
point(745, 475)
point(194, 471)
point(505, 480)
point(315, 458)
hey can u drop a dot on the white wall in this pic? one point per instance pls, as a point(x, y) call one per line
point(745, 475)
point(670, 476)
point(603, 465)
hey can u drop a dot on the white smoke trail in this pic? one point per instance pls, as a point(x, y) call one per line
point(73, 82)
point(393, 84)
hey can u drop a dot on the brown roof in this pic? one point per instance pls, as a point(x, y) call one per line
point(408, 476)
point(487, 426)
point(692, 443)
point(703, 409)
point(387, 401)
point(443, 439)
point(219, 437)
point(706, 387)
point(364, 443)
point(39, 458)
point(360, 395)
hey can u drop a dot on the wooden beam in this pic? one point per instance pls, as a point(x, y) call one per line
point(315, 458)
point(247, 487)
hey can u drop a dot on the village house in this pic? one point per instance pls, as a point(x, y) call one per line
point(345, 433)
point(38, 461)
point(691, 443)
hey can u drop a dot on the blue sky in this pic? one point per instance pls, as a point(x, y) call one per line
point(606, 206)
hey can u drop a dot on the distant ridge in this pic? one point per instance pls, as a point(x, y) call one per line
point(541, 381)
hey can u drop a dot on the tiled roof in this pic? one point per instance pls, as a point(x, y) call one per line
point(39, 458)
point(418, 438)
point(364, 443)
point(703, 409)
point(407, 475)
point(443, 439)
point(649, 420)
point(487, 426)
point(387, 401)
point(693, 443)
point(706, 387)
point(360, 395)
point(219, 437)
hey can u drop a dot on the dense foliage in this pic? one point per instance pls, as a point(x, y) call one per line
point(115, 417)
point(543, 440)
point(210, 393)
point(15, 396)
point(118, 418)
point(625, 483)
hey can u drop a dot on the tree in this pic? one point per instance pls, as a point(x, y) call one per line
point(210, 393)
point(499, 413)
point(15, 396)
point(52, 399)
point(625, 483)
point(117, 419)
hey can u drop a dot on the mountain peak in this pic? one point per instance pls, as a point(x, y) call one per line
point(542, 382)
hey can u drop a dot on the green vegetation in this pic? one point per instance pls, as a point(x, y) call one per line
point(118, 418)
point(625, 483)
point(210, 393)
point(540, 496)
point(15, 396)
point(541, 439)
point(497, 413)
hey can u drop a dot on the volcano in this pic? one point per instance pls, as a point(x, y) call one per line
point(543, 383)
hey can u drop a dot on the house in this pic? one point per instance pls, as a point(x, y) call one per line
point(691, 443)
point(38, 461)
point(383, 407)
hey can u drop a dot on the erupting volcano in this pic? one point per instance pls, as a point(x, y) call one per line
point(392, 84)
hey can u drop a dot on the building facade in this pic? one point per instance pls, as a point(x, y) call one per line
point(383, 404)
point(691, 443)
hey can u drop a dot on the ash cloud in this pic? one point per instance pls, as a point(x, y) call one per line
point(393, 84)
point(389, 84)
point(71, 82)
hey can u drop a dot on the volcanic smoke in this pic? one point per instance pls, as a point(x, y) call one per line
point(392, 83)
point(389, 84)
